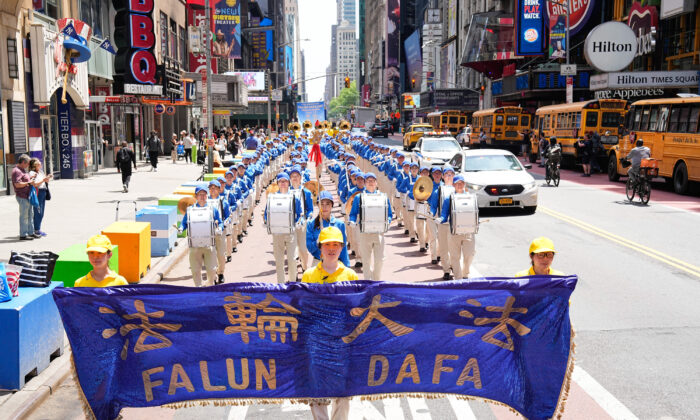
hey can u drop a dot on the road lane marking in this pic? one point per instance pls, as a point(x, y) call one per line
point(238, 412)
point(601, 396)
point(365, 410)
point(461, 408)
point(650, 252)
point(419, 409)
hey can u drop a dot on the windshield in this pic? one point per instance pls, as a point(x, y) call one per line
point(610, 119)
point(492, 163)
point(358, 130)
point(441, 146)
point(421, 129)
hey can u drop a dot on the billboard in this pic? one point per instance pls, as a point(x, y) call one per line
point(414, 62)
point(529, 27)
point(557, 36)
point(393, 43)
point(411, 100)
point(451, 18)
point(312, 111)
point(261, 44)
point(198, 61)
point(254, 80)
point(288, 65)
point(227, 27)
point(580, 13)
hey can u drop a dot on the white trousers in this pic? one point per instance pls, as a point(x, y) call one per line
point(409, 221)
point(432, 238)
point(300, 232)
point(281, 245)
point(398, 206)
point(372, 246)
point(443, 246)
point(220, 241)
point(462, 250)
point(421, 230)
point(340, 410)
point(203, 256)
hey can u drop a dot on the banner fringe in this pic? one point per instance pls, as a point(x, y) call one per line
point(87, 410)
point(566, 385)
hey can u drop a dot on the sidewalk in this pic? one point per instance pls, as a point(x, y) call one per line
point(80, 208)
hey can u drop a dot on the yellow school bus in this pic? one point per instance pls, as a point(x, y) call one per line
point(503, 126)
point(570, 122)
point(451, 121)
point(669, 127)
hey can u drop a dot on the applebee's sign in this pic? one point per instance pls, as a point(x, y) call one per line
point(644, 20)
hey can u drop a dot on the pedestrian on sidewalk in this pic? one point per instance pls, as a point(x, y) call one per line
point(188, 142)
point(125, 158)
point(41, 183)
point(22, 183)
point(99, 250)
point(174, 142)
point(153, 145)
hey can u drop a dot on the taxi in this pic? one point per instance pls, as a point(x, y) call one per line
point(414, 132)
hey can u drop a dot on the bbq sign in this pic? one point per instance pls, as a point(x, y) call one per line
point(135, 65)
point(529, 28)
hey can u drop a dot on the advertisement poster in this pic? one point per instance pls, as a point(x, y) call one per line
point(261, 43)
point(104, 113)
point(198, 62)
point(253, 80)
point(529, 27)
point(451, 18)
point(580, 13)
point(288, 65)
point(411, 100)
point(557, 36)
point(227, 29)
point(393, 43)
point(414, 62)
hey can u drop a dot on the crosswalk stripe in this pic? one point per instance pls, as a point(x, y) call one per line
point(419, 409)
point(461, 408)
point(238, 412)
point(365, 410)
point(601, 396)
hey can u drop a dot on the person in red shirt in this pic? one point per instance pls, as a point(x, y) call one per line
point(22, 183)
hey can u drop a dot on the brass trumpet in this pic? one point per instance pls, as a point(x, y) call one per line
point(315, 187)
point(293, 126)
point(344, 125)
point(307, 125)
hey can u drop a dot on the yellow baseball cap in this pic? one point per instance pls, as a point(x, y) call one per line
point(99, 243)
point(330, 234)
point(541, 244)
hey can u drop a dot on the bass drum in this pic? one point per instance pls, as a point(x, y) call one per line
point(280, 214)
point(374, 213)
point(464, 214)
point(200, 226)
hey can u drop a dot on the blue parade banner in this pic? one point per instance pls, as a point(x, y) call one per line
point(505, 341)
point(530, 35)
point(312, 111)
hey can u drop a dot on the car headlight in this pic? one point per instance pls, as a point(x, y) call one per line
point(475, 187)
point(427, 158)
point(529, 185)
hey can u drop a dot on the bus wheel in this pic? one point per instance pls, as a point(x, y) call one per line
point(680, 179)
point(612, 168)
point(533, 158)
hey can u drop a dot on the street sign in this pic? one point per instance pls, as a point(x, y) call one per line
point(567, 70)
point(170, 110)
point(159, 108)
point(569, 89)
point(276, 95)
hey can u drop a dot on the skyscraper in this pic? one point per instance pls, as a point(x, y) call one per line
point(346, 11)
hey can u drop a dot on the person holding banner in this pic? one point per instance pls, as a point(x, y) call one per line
point(541, 258)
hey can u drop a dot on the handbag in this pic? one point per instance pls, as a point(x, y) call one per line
point(37, 267)
point(48, 193)
point(33, 198)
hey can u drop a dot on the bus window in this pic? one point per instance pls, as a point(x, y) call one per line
point(683, 119)
point(663, 118)
point(653, 116)
point(673, 121)
point(525, 120)
point(610, 119)
point(499, 119)
point(577, 123)
point(637, 119)
point(454, 120)
point(645, 119)
point(463, 121)
point(511, 120)
point(591, 119)
point(693, 124)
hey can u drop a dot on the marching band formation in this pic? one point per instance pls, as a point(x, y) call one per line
point(376, 186)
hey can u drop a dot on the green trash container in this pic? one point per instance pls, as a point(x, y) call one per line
point(194, 153)
point(172, 200)
point(73, 264)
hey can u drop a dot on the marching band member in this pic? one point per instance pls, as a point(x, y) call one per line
point(436, 174)
point(323, 220)
point(246, 182)
point(221, 205)
point(421, 222)
point(307, 210)
point(352, 229)
point(395, 171)
point(445, 190)
point(462, 246)
point(404, 182)
point(285, 243)
point(201, 244)
point(234, 196)
point(371, 244)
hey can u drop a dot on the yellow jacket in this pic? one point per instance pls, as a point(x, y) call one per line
point(531, 272)
point(112, 279)
point(319, 275)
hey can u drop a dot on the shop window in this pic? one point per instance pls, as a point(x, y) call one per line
point(49, 8)
point(653, 117)
point(12, 67)
point(693, 123)
point(163, 35)
point(183, 48)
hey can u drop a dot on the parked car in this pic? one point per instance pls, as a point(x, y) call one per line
point(497, 178)
point(414, 132)
point(435, 150)
point(464, 136)
point(359, 132)
point(380, 129)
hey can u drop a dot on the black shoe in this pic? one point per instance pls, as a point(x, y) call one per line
point(401, 225)
point(414, 240)
point(427, 246)
point(422, 250)
point(240, 238)
point(36, 235)
point(250, 223)
point(228, 259)
point(405, 232)
point(447, 276)
point(352, 253)
point(438, 259)
point(221, 279)
point(235, 249)
point(434, 262)
point(245, 233)
point(26, 238)
point(358, 265)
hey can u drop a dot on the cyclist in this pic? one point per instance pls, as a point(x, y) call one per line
point(635, 157)
point(553, 154)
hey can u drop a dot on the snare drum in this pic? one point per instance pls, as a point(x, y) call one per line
point(422, 210)
point(410, 204)
point(464, 214)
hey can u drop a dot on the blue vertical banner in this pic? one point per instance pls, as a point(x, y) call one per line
point(530, 27)
point(64, 136)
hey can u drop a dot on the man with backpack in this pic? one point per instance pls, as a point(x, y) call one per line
point(153, 145)
point(125, 157)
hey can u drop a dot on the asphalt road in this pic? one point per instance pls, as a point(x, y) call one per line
point(634, 310)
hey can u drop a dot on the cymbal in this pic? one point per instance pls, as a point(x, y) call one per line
point(315, 187)
point(348, 205)
point(273, 188)
point(422, 188)
point(185, 202)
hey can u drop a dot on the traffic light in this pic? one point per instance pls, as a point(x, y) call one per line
point(413, 83)
point(483, 89)
point(347, 82)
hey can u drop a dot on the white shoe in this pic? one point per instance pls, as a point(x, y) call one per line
point(125, 189)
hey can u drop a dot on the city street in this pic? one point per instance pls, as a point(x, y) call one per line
point(634, 312)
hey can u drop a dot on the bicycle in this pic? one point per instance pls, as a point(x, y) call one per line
point(552, 172)
point(641, 184)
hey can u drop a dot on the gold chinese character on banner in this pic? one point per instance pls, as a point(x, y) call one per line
point(502, 323)
point(244, 319)
point(373, 313)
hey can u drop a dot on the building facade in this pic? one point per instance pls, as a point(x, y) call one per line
point(346, 55)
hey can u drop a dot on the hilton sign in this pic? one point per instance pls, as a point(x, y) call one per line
point(606, 55)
